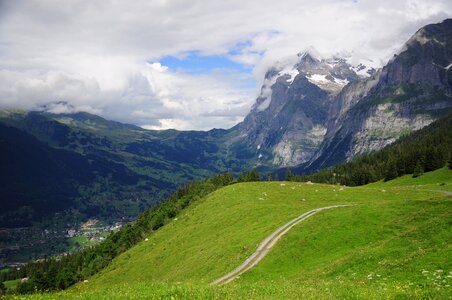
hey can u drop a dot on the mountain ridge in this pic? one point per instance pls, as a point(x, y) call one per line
point(405, 95)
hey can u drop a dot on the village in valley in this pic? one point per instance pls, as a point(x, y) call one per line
point(33, 243)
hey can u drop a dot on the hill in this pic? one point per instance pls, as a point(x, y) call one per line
point(393, 242)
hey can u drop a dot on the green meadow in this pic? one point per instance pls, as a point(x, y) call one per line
point(395, 242)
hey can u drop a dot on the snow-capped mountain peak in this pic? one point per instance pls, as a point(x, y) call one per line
point(330, 74)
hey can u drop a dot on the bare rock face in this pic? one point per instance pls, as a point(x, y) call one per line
point(410, 92)
point(315, 112)
point(288, 122)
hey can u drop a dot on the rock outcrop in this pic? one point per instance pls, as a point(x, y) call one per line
point(410, 92)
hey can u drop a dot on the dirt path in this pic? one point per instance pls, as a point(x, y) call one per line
point(441, 191)
point(267, 244)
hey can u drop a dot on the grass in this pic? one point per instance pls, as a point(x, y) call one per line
point(80, 241)
point(437, 180)
point(11, 284)
point(394, 243)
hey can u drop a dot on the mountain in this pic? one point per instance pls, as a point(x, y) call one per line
point(286, 125)
point(41, 180)
point(106, 169)
point(422, 151)
point(316, 112)
point(410, 92)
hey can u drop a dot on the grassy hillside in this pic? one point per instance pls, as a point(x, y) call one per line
point(395, 242)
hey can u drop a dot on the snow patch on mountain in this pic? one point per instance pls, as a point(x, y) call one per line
point(292, 73)
point(342, 82)
point(363, 71)
point(317, 78)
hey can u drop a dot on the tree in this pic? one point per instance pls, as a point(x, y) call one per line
point(391, 171)
point(289, 176)
point(434, 159)
point(253, 175)
point(240, 177)
point(269, 176)
point(222, 179)
point(418, 170)
point(2, 288)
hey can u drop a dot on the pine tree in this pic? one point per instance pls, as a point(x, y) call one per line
point(269, 176)
point(289, 176)
point(391, 171)
point(2, 288)
point(434, 159)
point(253, 175)
point(240, 177)
point(418, 170)
point(257, 176)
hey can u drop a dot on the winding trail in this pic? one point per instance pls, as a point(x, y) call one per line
point(267, 244)
point(441, 191)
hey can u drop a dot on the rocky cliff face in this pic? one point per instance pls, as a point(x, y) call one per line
point(288, 122)
point(410, 92)
point(318, 112)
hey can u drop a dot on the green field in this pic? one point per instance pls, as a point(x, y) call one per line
point(11, 284)
point(395, 242)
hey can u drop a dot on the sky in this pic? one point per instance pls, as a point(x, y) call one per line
point(188, 65)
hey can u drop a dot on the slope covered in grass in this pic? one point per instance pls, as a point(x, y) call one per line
point(394, 242)
point(437, 180)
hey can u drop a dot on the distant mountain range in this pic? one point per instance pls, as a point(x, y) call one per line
point(311, 113)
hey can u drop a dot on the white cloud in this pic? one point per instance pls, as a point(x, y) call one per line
point(93, 54)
